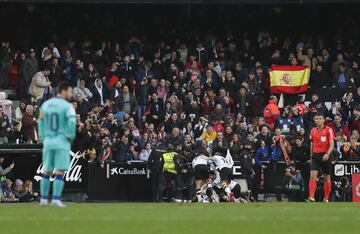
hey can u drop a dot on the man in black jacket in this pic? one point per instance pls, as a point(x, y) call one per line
point(320, 78)
point(300, 152)
point(174, 139)
point(247, 163)
point(244, 101)
point(184, 176)
point(172, 122)
point(157, 111)
point(155, 164)
point(122, 150)
point(83, 107)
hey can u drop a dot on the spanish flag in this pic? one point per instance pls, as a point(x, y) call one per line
point(289, 79)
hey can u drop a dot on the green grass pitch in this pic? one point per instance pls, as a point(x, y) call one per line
point(165, 218)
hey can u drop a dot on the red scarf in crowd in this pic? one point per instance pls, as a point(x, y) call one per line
point(280, 139)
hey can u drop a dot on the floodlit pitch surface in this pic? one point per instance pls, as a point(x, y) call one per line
point(158, 218)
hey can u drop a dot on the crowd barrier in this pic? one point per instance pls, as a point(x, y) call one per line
point(131, 181)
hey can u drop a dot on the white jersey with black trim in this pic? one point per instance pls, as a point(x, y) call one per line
point(200, 160)
point(221, 162)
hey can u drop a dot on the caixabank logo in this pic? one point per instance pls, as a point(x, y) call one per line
point(346, 169)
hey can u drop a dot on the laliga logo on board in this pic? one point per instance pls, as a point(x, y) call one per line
point(72, 175)
point(341, 169)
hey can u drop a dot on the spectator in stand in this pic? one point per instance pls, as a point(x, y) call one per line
point(20, 62)
point(18, 190)
point(30, 195)
point(56, 75)
point(40, 87)
point(126, 102)
point(8, 193)
point(30, 69)
point(156, 110)
point(300, 152)
point(339, 127)
point(145, 152)
point(284, 122)
point(106, 154)
point(4, 171)
point(5, 58)
point(340, 60)
point(91, 74)
point(263, 155)
point(297, 120)
point(220, 145)
point(217, 116)
point(200, 128)
point(122, 150)
point(348, 105)
point(29, 125)
point(320, 78)
point(342, 78)
point(307, 59)
point(19, 111)
point(100, 92)
point(82, 90)
point(6, 105)
point(279, 147)
point(244, 101)
point(4, 127)
point(83, 107)
point(174, 139)
point(52, 49)
point(46, 59)
point(172, 122)
point(264, 136)
point(116, 90)
point(271, 112)
point(209, 135)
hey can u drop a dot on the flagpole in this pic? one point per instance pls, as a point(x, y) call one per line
point(281, 101)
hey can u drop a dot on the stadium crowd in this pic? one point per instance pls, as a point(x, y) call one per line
point(196, 96)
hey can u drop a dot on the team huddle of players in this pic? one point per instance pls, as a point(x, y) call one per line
point(213, 179)
point(173, 173)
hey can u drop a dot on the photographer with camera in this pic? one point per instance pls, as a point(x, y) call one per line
point(184, 175)
point(294, 183)
point(342, 190)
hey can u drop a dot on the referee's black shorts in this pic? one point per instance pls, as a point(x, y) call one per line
point(318, 164)
point(201, 172)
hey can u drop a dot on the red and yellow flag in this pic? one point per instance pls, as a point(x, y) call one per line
point(289, 79)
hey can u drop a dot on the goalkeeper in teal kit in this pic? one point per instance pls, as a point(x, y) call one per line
point(57, 129)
